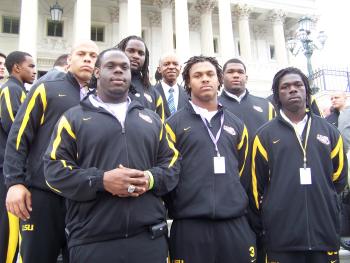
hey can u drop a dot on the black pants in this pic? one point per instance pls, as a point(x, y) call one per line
point(43, 235)
point(303, 257)
point(135, 249)
point(9, 227)
point(212, 241)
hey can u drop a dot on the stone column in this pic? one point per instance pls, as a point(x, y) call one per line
point(123, 19)
point(82, 20)
point(243, 11)
point(226, 32)
point(134, 17)
point(114, 12)
point(155, 47)
point(277, 18)
point(204, 7)
point(182, 30)
point(28, 27)
point(166, 7)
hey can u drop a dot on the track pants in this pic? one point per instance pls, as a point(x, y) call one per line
point(212, 241)
point(42, 237)
point(303, 257)
point(135, 249)
point(9, 228)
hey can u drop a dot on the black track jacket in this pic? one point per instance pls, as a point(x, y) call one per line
point(12, 95)
point(201, 193)
point(298, 217)
point(31, 131)
point(148, 97)
point(87, 141)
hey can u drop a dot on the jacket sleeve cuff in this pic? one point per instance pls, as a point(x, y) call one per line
point(14, 181)
point(96, 181)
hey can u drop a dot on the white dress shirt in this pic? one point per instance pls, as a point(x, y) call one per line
point(166, 88)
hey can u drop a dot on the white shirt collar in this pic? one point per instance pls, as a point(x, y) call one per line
point(203, 112)
point(299, 127)
point(237, 98)
point(118, 110)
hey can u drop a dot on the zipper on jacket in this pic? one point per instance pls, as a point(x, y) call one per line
point(307, 221)
point(128, 164)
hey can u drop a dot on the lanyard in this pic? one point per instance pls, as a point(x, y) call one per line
point(303, 148)
point(216, 138)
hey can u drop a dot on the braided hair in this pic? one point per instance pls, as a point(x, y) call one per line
point(198, 59)
point(144, 70)
point(280, 74)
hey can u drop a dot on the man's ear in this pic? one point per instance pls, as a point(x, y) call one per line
point(158, 69)
point(246, 78)
point(97, 73)
point(16, 68)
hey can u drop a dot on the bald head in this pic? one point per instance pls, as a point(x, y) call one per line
point(169, 68)
point(338, 100)
point(82, 59)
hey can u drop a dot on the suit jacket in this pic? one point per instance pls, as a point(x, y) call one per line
point(344, 126)
point(183, 98)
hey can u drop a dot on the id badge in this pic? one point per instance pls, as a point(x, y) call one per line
point(219, 165)
point(305, 176)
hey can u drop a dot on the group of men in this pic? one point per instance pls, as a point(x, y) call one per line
point(95, 160)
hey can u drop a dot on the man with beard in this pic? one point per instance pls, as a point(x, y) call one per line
point(298, 155)
point(21, 67)
point(137, 52)
point(174, 96)
point(111, 159)
point(41, 212)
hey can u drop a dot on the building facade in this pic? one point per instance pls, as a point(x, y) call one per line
point(253, 30)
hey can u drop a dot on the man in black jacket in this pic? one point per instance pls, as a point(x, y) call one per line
point(174, 96)
point(111, 159)
point(141, 89)
point(298, 167)
point(209, 204)
point(21, 67)
point(42, 212)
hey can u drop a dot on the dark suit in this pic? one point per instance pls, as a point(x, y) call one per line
point(183, 98)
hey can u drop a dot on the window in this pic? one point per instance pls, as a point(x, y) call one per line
point(97, 33)
point(143, 34)
point(174, 41)
point(272, 52)
point(54, 28)
point(216, 45)
point(239, 48)
point(10, 25)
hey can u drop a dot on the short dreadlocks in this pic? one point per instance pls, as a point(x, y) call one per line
point(197, 59)
point(276, 81)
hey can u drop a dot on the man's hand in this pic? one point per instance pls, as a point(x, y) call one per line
point(19, 201)
point(118, 180)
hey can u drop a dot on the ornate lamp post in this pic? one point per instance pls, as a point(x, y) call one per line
point(56, 12)
point(305, 41)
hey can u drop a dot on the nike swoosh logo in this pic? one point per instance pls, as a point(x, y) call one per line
point(274, 142)
point(186, 129)
point(253, 260)
point(86, 119)
point(62, 95)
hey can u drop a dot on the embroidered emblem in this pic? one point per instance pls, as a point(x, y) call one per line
point(276, 141)
point(186, 129)
point(145, 117)
point(230, 130)
point(257, 108)
point(137, 95)
point(148, 97)
point(323, 139)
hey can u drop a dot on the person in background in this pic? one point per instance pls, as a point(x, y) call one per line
point(173, 95)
